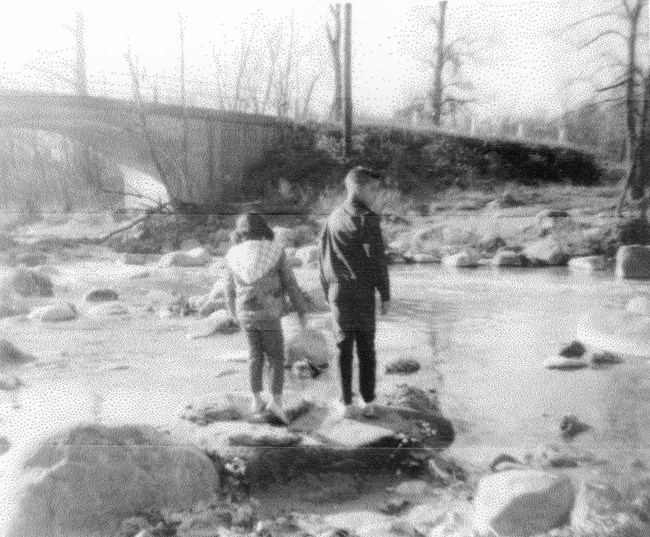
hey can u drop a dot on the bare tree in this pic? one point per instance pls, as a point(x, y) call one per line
point(71, 73)
point(450, 91)
point(333, 31)
point(186, 123)
point(616, 35)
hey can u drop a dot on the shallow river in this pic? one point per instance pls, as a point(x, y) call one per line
point(492, 330)
point(486, 333)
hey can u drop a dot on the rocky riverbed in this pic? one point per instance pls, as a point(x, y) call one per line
point(109, 341)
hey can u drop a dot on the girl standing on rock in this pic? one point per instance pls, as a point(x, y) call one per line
point(258, 278)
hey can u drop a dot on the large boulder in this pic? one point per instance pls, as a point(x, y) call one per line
point(197, 257)
point(85, 480)
point(546, 252)
point(10, 355)
point(522, 503)
point(633, 262)
point(602, 510)
point(29, 283)
point(54, 313)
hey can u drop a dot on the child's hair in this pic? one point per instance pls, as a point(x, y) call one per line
point(251, 227)
point(359, 177)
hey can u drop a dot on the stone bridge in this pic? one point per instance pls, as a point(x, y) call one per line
point(199, 154)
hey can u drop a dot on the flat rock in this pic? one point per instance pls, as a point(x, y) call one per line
point(54, 313)
point(10, 355)
point(101, 295)
point(216, 408)
point(243, 433)
point(403, 366)
point(522, 503)
point(562, 362)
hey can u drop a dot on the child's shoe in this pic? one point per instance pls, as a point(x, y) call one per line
point(258, 406)
point(369, 410)
point(341, 410)
point(276, 411)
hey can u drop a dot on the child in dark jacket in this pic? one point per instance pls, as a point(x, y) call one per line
point(258, 277)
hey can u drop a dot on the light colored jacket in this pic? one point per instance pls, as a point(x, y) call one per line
point(258, 280)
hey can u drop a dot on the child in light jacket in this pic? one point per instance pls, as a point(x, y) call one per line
point(258, 278)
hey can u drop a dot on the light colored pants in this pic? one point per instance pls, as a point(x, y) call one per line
point(269, 343)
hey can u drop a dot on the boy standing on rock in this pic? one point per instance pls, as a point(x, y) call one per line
point(353, 267)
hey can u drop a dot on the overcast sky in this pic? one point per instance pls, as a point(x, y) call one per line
point(523, 66)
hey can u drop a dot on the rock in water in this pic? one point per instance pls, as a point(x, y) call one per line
point(508, 258)
point(605, 358)
point(101, 295)
point(308, 345)
point(403, 366)
point(575, 349)
point(640, 305)
point(522, 503)
point(588, 263)
point(633, 262)
point(54, 313)
point(546, 252)
point(10, 355)
point(571, 427)
point(87, 479)
point(602, 511)
point(461, 260)
point(29, 283)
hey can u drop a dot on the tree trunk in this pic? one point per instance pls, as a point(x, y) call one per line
point(347, 81)
point(334, 40)
point(80, 67)
point(436, 94)
point(630, 84)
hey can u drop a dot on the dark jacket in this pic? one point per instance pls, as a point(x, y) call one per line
point(352, 254)
point(259, 279)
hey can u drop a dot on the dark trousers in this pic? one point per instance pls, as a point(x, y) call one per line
point(365, 344)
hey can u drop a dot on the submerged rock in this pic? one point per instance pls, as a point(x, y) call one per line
point(89, 478)
point(508, 258)
point(522, 503)
point(605, 358)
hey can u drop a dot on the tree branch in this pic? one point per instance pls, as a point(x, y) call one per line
point(616, 33)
